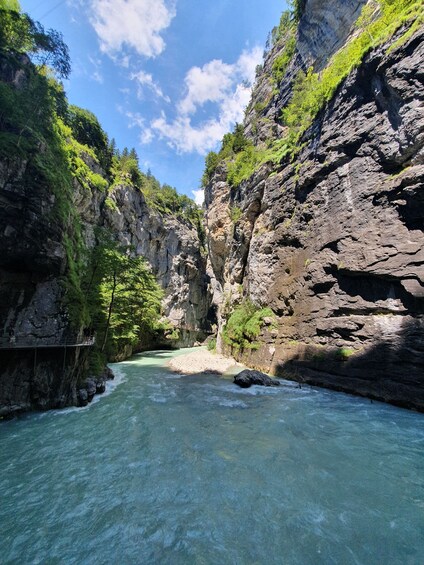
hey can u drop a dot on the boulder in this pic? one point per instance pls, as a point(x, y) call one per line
point(82, 397)
point(91, 387)
point(250, 377)
point(108, 374)
point(100, 387)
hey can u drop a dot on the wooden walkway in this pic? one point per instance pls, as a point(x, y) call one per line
point(24, 343)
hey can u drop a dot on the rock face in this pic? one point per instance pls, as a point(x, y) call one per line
point(333, 242)
point(34, 304)
point(172, 248)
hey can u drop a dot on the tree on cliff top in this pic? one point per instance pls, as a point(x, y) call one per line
point(20, 34)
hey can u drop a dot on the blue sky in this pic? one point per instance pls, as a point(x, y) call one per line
point(168, 77)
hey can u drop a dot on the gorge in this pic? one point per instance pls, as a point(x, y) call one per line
point(313, 226)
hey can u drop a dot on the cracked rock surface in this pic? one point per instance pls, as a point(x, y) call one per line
point(333, 242)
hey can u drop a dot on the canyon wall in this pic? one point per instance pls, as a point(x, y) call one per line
point(333, 241)
point(41, 223)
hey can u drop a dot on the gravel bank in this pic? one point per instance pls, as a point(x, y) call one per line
point(202, 361)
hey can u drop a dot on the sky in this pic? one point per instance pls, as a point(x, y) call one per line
point(167, 77)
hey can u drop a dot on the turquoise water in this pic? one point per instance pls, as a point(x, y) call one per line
point(193, 470)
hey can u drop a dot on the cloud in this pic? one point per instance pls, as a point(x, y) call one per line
point(183, 136)
point(207, 84)
point(146, 136)
point(226, 85)
point(96, 74)
point(136, 24)
point(137, 120)
point(199, 196)
point(146, 80)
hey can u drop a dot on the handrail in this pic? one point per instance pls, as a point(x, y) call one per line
point(40, 343)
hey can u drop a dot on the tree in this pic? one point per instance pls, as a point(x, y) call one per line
point(10, 5)
point(298, 8)
point(87, 130)
point(20, 34)
point(124, 297)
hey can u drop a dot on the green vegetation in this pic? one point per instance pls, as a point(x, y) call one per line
point(235, 214)
point(244, 326)
point(87, 131)
point(282, 62)
point(20, 35)
point(233, 144)
point(297, 8)
point(123, 296)
point(344, 353)
point(211, 346)
point(77, 154)
point(164, 198)
point(312, 91)
point(243, 165)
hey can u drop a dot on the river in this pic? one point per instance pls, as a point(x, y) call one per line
point(181, 470)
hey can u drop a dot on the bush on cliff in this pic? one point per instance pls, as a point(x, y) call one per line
point(244, 326)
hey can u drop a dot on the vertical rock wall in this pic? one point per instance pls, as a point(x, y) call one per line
point(34, 270)
point(333, 242)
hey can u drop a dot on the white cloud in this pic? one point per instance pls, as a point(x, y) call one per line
point(207, 84)
point(217, 82)
point(96, 74)
point(146, 136)
point(137, 120)
point(146, 80)
point(137, 24)
point(199, 196)
point(247, 63)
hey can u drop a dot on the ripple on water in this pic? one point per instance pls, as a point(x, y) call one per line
point(177, 470)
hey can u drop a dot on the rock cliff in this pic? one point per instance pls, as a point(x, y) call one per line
point(333, 241)
point(42, 224)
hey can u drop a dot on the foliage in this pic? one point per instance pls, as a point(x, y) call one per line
point(163, 198)
point(10, 5)
point(244, 326)
point(211, 162)
point(232, 144)
point(211, 345)
point(344, 353)
point(77, 155)
point(311, 91)
point(282, 62)
point(123, 295)
point(19, 34)
point(278, 32)
point(235, 214)
point(107, 288)
point(243, 165)
point(297, 8)
point(87, 130)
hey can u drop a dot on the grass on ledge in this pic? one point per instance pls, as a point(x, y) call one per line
point(312, 91)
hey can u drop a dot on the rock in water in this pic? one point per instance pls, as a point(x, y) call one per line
point(250, 377)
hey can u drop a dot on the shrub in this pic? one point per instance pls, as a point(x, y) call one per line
point(235, 214)
point(232, 144)
point(244, 326)
point(211, 345)
point(282, 62)
point(243, 165)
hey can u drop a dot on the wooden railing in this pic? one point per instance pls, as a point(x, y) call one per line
point(25, 342)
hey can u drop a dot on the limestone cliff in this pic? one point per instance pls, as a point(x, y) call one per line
point(333, 241)
point(46, 226)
